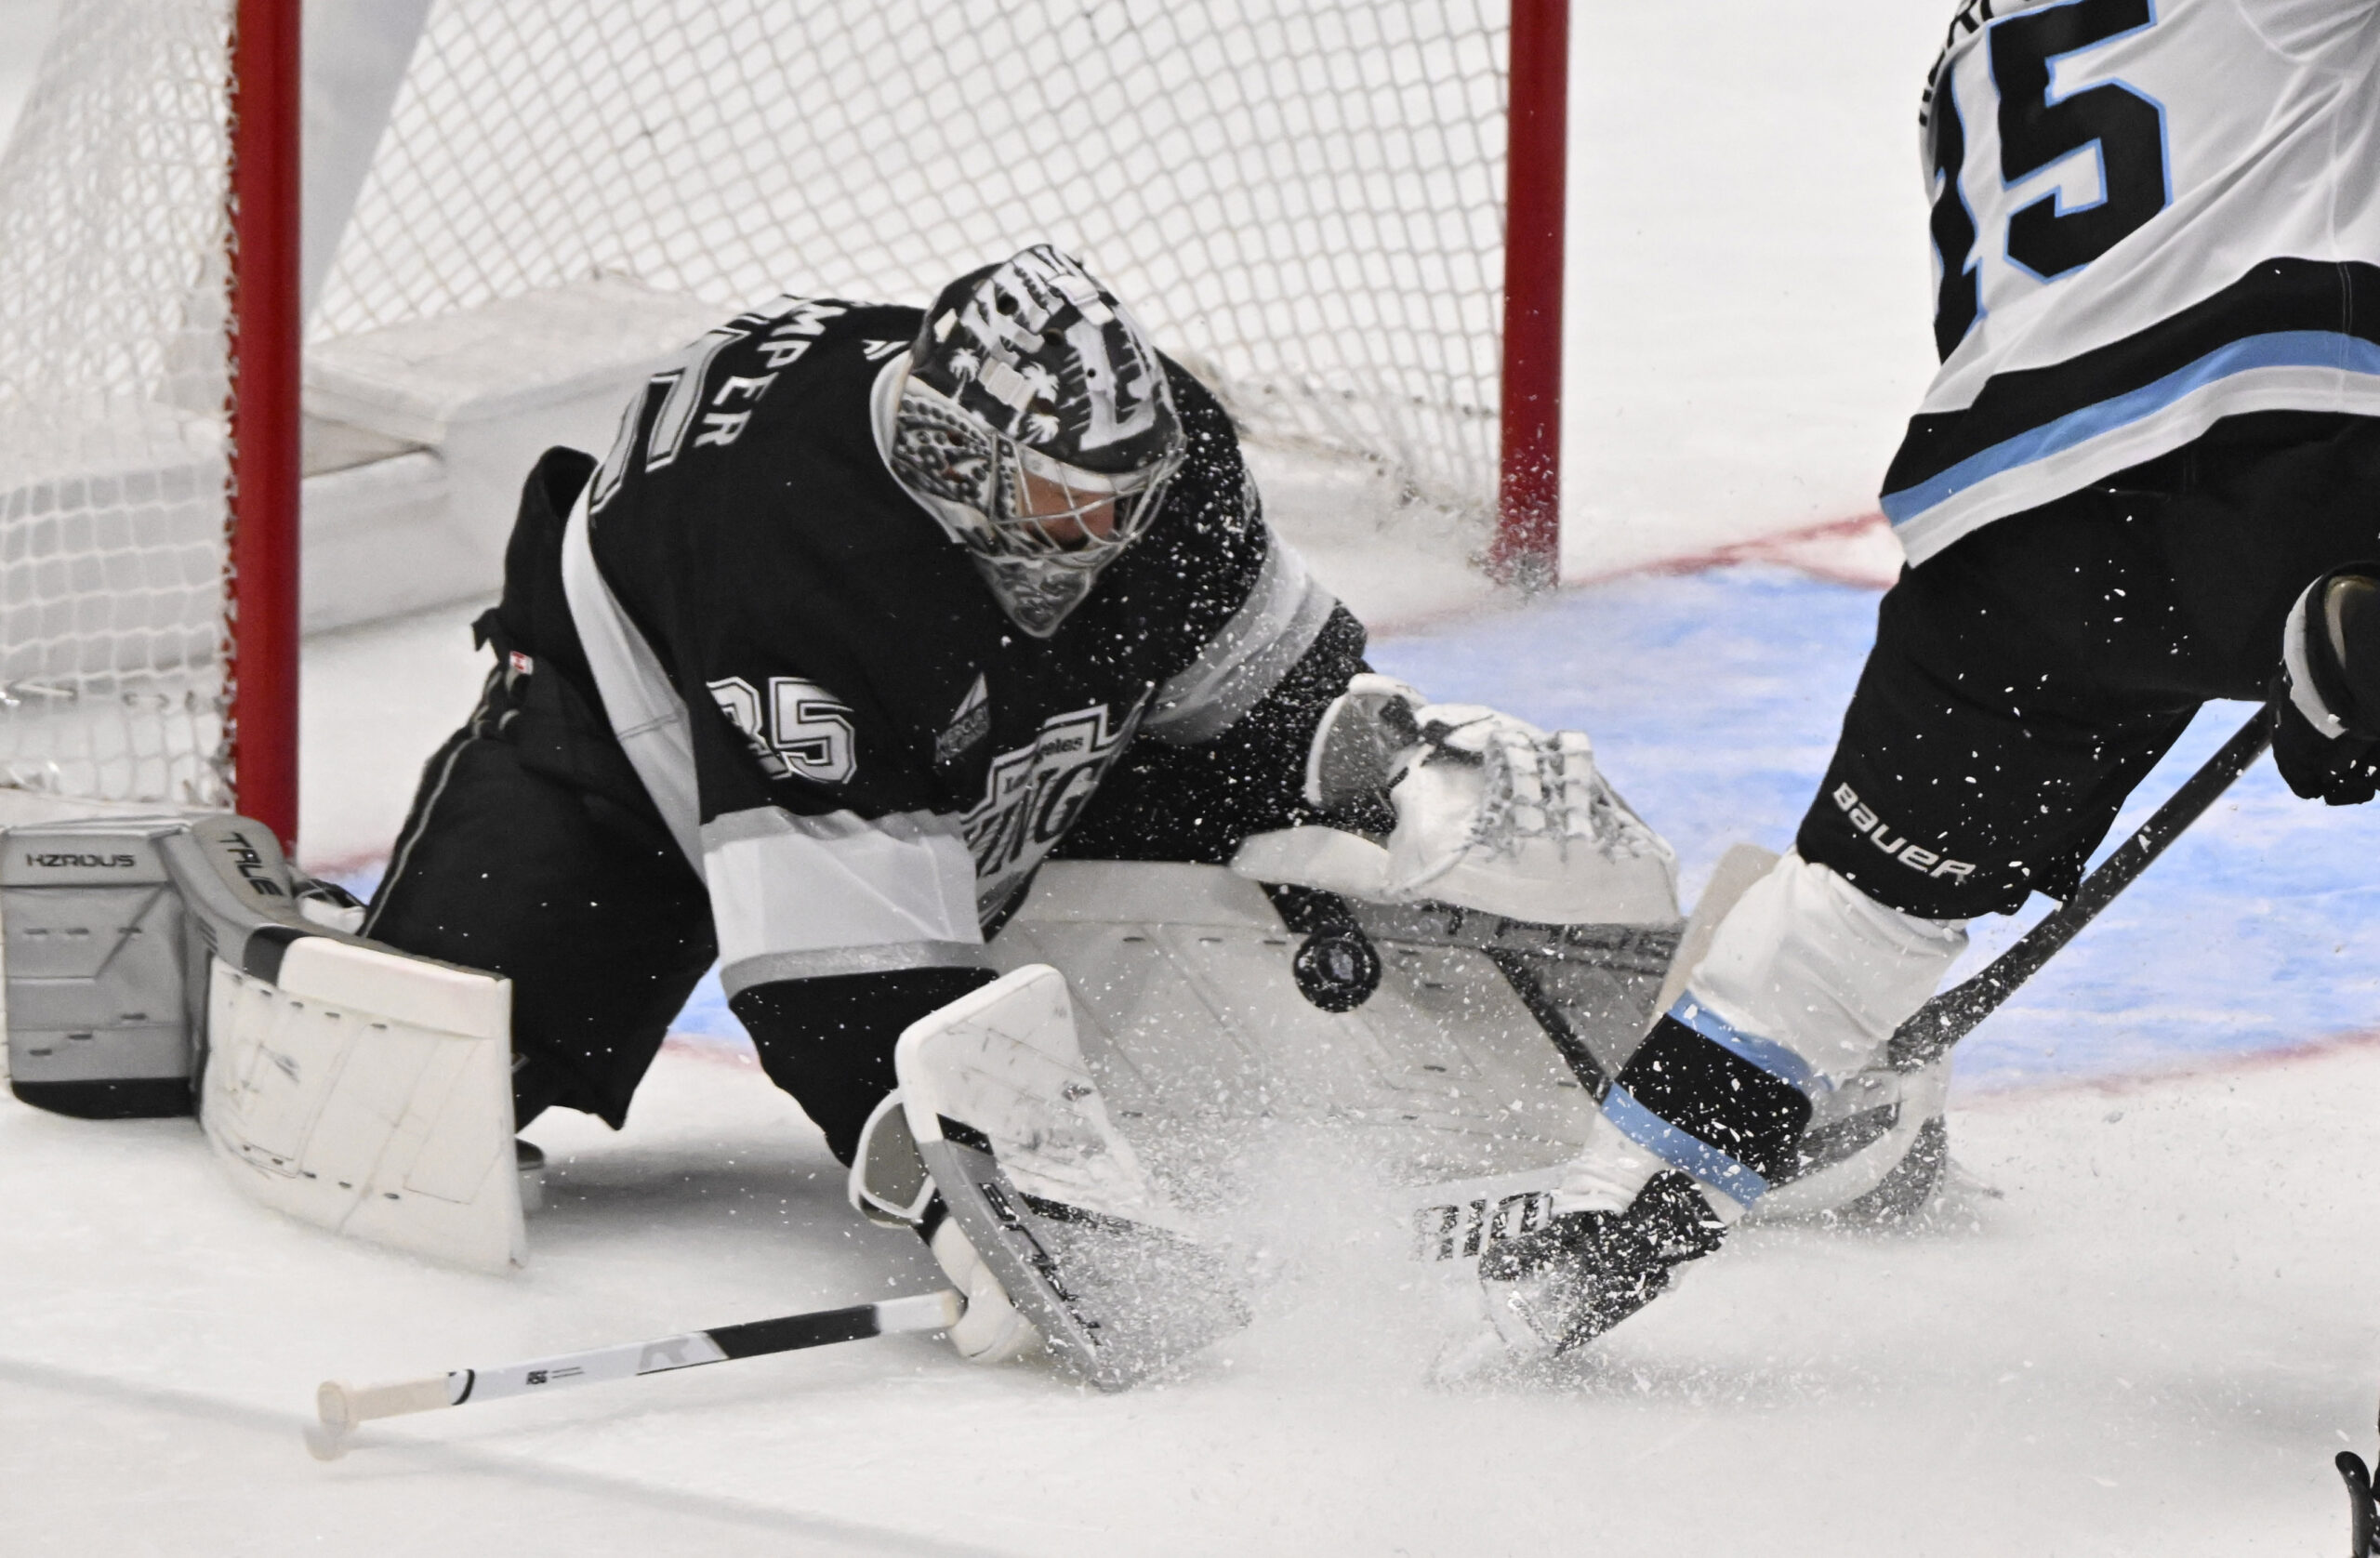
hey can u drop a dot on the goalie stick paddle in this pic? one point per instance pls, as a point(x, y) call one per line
point(342, 1407)
point(1954, 1014)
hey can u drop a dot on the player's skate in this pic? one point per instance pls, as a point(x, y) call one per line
point(2363, 1516)
point(1569, 1282)
point(1047, 1194)
point(2363, 1512)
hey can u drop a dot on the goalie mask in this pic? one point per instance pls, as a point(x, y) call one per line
point(1036, 426)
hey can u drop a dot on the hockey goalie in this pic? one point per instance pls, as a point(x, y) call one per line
point(938, 676)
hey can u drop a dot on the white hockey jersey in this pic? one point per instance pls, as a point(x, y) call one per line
point(2147, 215)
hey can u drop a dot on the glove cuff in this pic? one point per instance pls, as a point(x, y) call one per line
point(1362, 741)
point(2298, 680)
point(2331, 649)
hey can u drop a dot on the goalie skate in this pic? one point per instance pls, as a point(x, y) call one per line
point(1053, 1199)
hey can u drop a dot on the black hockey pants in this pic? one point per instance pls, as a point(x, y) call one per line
point(532, 849)
point(2026, 679)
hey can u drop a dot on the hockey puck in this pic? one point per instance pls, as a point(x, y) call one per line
point(1337, 969)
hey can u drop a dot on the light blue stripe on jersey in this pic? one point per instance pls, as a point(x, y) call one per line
point(2280, 348)
point(1766, 1053)
point(1704, 1162)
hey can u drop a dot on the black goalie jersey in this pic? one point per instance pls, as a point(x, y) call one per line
point(864, 756)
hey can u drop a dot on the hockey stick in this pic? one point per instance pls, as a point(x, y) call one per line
point(1953, 1014)
point(2361, 1513)
point(343, 1407)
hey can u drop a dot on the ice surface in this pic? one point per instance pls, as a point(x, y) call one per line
point(2146, 1344)
point(2138, 1323)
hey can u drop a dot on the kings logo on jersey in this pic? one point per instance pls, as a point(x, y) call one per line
point(1035, 793)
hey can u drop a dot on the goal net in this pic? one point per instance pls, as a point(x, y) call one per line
point(1303, 199)
point(113, 382)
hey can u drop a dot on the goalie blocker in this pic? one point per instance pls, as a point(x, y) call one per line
point(159, 966)
point(998, 1148)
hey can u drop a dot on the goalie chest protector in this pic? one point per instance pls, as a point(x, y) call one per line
point(96, 948)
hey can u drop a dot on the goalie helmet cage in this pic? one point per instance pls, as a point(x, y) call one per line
point(1305, 200)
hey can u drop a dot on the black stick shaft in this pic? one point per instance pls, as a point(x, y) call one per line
point(1953, 1014)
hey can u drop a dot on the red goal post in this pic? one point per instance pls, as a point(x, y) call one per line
point(1347, 217)
point(263, 351)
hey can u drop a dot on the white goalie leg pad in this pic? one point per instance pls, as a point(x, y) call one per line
point(370, 1094)
point(347, 1084)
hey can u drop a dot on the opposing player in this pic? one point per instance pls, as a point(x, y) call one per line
point(2147, 475)
point(867, 614)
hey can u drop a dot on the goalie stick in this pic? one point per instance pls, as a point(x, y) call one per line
point(342, 1407)
point(1953, 1014)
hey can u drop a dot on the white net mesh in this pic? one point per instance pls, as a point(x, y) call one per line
point(112, 393)
point(1302, 198)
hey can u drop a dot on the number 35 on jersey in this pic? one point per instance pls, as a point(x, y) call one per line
point(797, 729)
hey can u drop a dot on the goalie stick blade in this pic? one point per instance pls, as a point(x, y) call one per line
point(1116, 1300)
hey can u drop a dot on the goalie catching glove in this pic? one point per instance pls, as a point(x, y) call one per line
point(1492, 814)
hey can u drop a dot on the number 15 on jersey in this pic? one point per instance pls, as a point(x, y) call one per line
point(2080, 166)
